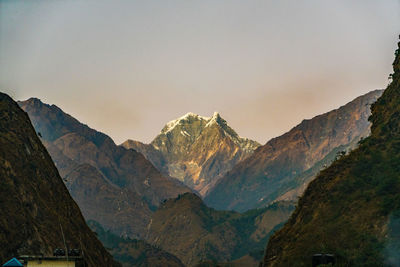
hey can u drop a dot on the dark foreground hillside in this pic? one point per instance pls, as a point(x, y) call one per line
point(33, 199)
point(352, 209)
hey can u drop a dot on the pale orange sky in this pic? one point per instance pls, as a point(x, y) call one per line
point(127, 67)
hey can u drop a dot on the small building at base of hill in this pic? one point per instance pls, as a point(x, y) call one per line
point(56, 261)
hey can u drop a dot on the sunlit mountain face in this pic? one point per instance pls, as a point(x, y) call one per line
point(196, 150)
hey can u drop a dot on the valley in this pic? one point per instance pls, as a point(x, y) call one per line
point(199, 133)
point(153, 192)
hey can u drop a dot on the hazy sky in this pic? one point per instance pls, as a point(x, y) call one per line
point(128, 67)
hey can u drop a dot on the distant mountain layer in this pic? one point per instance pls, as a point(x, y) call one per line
point(288, 163)
point(115, 186)
point(35, 204)
point(196, 150)
point(132, 252)
point(352, 209)
point(195, 233)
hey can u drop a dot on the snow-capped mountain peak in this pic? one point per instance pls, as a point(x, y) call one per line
point(197, 150)
point(185, 118)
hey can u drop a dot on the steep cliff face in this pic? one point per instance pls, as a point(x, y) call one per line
point(111, 184)
point(196, 150)
point(352, 208)
point(34, 200)
point(194, 233)
point(273, 168)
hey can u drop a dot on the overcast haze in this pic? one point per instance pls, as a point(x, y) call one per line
point(127, 67)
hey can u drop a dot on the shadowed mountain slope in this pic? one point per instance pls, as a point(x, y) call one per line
point(193, 232)
point(132, 252)
point(273, 168)
point(352, 209)
point(113, 185)
point(196, 150)
point(34, 200)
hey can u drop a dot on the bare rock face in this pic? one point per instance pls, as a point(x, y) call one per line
point(115, 186)
point(35, 203)
point(196, 150)
point(287, 163)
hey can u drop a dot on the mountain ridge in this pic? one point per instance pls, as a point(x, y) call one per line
point(195, 233)
point(254, 181)
point(128, 183)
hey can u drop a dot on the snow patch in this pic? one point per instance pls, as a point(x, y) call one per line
point(172, 124)
point(184, 133)
point(214, 119)
point(244, 143)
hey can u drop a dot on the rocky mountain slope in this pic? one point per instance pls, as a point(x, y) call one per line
point(352, 209)
point(194, 233)
point(115, 186)
point(132, 252)
point(286, 163)
point(196, 150)
point(35, 203)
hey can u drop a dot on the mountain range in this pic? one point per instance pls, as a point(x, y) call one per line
point(196, 150)
point(122, 190)
point(95, 172)
point(201, 195)
point(282, 168)
point(115, 186)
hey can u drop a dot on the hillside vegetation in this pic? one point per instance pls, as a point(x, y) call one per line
point(352, 209)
